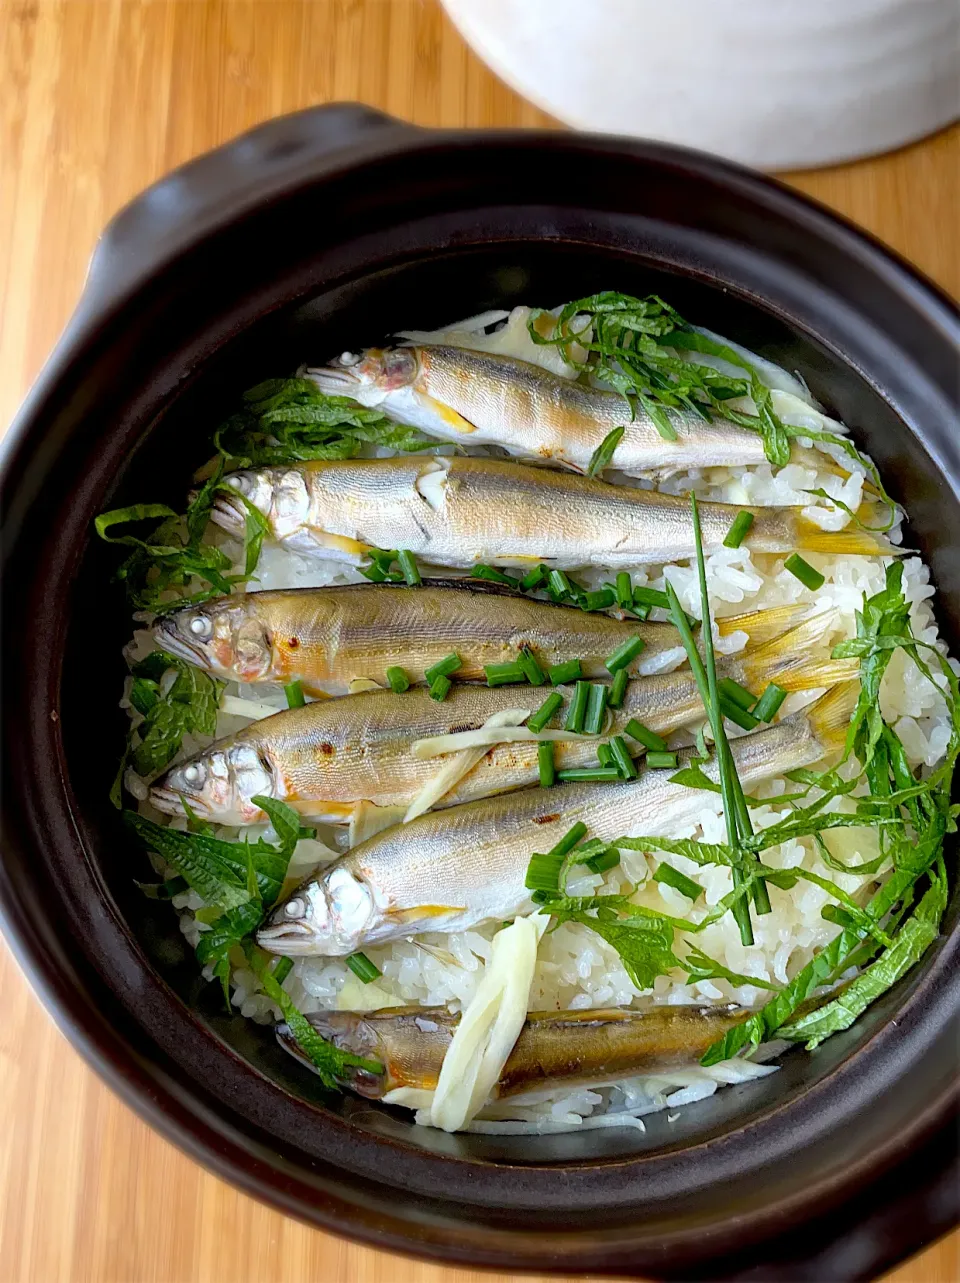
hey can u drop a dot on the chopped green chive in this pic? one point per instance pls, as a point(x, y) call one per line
point(803, 571)
point(739, 716)
point(605, 755)
point(550, 705)
point(543, 871)
point(504, 674)
point(494, 576)
point(398, 679)
point(662, 761)
point(443, 668)
point(622, 759)
point(363, 968)
point(625, 654)
point(531, 669)
point(619, 687)
point(596, 709)
point(409, 567)
point(578, 708)
point(560, 585)
point(589, 775)
point(543, 874)
point(548, 771)
point(598, 600)
point(641, 612)
point(563, 674)
point(603, 860)
point(282, 969)
point(569, 839)
point(739, 530)
point(624, 590)
point(535, 578)
point(672, 877)
point(649, 739)
point(294, 694)
point(768, 705)
point(650, 597)
point(604, 451)
point(736, 693)
point(440, 688)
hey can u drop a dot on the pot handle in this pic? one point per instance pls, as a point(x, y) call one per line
point(221, 185)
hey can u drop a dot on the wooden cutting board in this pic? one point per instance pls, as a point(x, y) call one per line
point(97, 99)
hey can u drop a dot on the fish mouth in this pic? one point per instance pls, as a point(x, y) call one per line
point(170, 802)
point(295, 939)
point(228, 514)
point(336, 380)
point(168, 636)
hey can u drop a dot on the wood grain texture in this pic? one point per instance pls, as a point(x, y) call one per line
point(97, 99)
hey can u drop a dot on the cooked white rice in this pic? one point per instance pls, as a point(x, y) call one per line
point(575, 968)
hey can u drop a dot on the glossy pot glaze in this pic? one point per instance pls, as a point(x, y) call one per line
point(324, 231)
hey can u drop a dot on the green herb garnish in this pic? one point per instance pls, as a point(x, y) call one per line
point(672, 877)
point(768, 705)
point(495, 576)
point(618, 687)
point(552, 704)
point(563, 674)
point(363, 968)
point(531, 668)
point(739, 530)
point(546, 766)
point(443, 668)
point(440, 688)
point(662, 761)
point(408, 567)
point(649, 739)
point(802, 570)
point(504, 674)
point(622, 759)
point(398, 679)
point(294, 694)
point(596, 709)
point(577, 712)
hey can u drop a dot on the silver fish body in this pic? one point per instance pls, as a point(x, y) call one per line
point(331, 755)
point(460, 511)
point(484, 398)
point(326, 637)
point(555, 1048)
point(449, 870)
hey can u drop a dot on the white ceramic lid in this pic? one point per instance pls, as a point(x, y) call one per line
point(772, 83)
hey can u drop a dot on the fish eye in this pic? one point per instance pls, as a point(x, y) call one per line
point(349, 358)
point(294, 908)
point(239, 481)
point(194, 773)
point(201, 626)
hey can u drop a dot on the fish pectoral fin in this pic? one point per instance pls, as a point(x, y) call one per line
point(420, 911)
point(450, 418)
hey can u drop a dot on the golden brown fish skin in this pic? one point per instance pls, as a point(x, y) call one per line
point(449, 870)
point(486, 398)
point(555, 1048)
point(459, 511)
point(325, 637)
point(336, 753)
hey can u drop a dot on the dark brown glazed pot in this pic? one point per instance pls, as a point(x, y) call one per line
point(323, 231)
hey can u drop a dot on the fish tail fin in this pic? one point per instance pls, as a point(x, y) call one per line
point(798, 660)
point(763, 625)
point(855, 540)
point(830, 716)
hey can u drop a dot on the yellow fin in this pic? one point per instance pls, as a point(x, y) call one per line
point(761, 625)
point(830, 716)
point(852, 542)
point(799, 659)
point(450, 418)
point(421, 911)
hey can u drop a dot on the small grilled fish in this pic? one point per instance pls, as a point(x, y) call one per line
point(458, 511)
point(484, 398)
point(449, 870)
point(330, 755)
point(555, 1048)
point(326, 637)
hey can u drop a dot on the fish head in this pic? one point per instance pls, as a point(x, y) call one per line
point(370, 376)
point(351, 1032)
point(327, 915)
point(225, 637)
point(279, 494)
point(219, 785)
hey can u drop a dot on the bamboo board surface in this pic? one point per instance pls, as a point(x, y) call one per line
point(97, 99)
